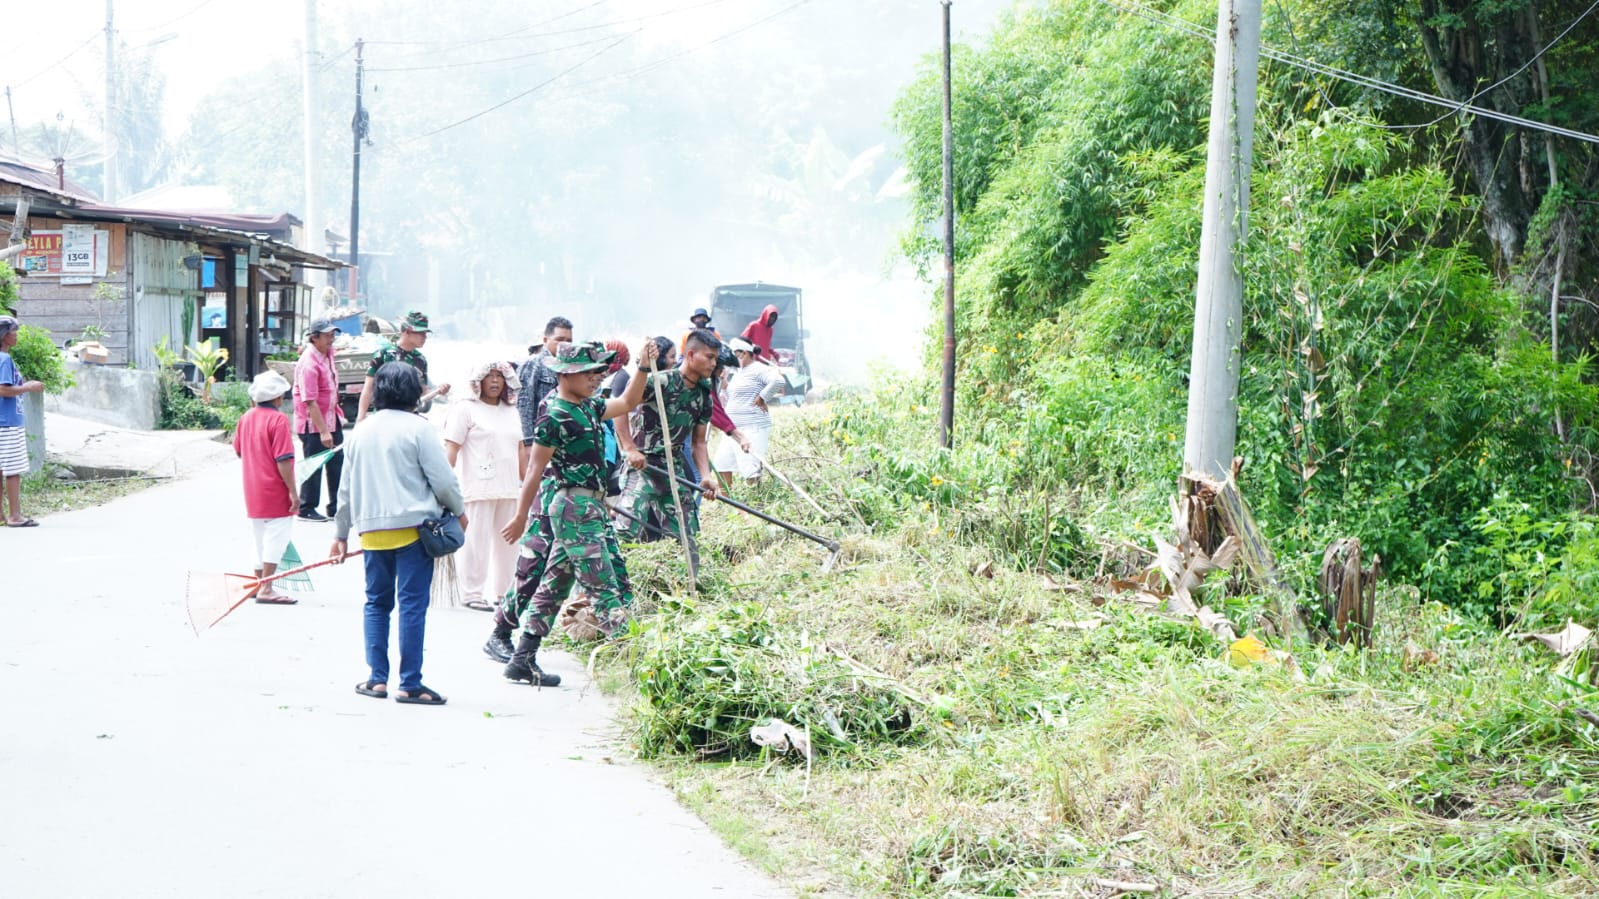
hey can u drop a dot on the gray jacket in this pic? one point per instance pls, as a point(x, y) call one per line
point(395, 475)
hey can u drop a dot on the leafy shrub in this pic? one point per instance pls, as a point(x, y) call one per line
point(1386, 389)
point(707, 676)
point(8, 289)
point(181, 410)
point(229, 401)
point(38, 359)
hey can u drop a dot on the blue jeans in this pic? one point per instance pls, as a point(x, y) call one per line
point(411, 571)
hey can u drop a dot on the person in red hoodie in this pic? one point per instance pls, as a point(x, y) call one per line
point(759, 331)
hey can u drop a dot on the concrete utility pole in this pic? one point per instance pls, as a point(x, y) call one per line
point(16, 142)
point(110, 187)
point(1219, 309)
point(308, 72)
point(359, 126)
point(946, 410)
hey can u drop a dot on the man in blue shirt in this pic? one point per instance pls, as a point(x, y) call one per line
point(13, 438)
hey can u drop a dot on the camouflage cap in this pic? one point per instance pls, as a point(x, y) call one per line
point(571, 358)
point(415, 321)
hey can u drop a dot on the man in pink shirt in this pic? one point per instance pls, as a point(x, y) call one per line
point(264, 446)
point(317, 417)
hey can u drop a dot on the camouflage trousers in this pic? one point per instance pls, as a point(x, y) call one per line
point(532, 561)
point(646, 511)
point(580, 553)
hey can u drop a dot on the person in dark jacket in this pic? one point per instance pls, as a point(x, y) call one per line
point(536, 380)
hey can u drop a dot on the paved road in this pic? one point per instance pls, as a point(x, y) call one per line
point(138, 760)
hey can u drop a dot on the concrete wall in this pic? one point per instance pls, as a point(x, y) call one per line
point(33, 426)
point(125, 397)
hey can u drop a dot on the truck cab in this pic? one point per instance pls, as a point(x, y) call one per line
point(735, 305)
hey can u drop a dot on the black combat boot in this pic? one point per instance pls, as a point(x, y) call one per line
point(499, 646)
point(524, 667)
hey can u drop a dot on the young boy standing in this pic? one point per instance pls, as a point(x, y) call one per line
point(264, 442)
point(13, 436)
point(569, 441)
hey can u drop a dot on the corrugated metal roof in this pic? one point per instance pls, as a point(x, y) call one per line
point(43, 180)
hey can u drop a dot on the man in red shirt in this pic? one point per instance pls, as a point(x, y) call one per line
point(263, 443)
point(759, 332)
point(318, 419)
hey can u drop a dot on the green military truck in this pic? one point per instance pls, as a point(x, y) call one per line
point(735, 305)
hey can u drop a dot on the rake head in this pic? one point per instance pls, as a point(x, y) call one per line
point(211, 595)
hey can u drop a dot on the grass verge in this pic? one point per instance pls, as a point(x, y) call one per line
point(46, 494)
point(1038, 741)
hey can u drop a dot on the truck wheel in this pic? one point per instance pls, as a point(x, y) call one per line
point(351, 406)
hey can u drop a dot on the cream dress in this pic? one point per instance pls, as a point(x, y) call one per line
point(490, 438)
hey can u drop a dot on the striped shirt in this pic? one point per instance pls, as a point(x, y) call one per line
point(756, 380)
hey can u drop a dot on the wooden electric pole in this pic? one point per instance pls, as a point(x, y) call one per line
point(359, 126)
point(946, 410)
point(1219, 308)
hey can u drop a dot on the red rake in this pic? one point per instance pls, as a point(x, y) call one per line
point(210, 591)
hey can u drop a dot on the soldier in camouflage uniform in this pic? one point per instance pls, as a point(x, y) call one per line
point(687, 392)
point(566, 474)
point(413, 335)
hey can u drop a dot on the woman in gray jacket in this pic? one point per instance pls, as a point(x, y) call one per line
point(395, 477)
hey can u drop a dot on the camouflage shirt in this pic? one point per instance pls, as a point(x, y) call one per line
point(392, 353)
point(573, 431)
point(686, 407)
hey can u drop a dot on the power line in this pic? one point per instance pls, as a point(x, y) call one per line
point(487, 62)
point(71, 53)
point(1138, 9)
point(520, 34)
point(506, 102)
point(172, 21)
point(1524, 66)
point(509, 35)
point(716, 40)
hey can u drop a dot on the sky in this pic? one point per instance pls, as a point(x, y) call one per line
point(64, 71)
point(60, 70)
point(197, 43)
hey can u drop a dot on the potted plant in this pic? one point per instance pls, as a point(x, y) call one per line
point(207, 357)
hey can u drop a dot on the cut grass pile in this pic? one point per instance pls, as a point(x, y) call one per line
point(1000, 736)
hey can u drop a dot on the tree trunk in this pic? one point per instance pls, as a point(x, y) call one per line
point(1470, 46)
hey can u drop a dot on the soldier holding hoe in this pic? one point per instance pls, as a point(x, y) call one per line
point(574, 532)
point(687, 394)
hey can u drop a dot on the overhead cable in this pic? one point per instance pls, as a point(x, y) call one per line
point(488, 62)
point(1138, 9)
point(542, 84)
point(716, 40)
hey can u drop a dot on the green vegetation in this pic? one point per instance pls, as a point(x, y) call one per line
point(1009, 721)
point(1011, 733)
point(45, 493)
point(8, 289)
point(38, 359)
point(219, 405)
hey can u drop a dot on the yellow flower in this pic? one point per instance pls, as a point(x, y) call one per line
point(935, 480)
